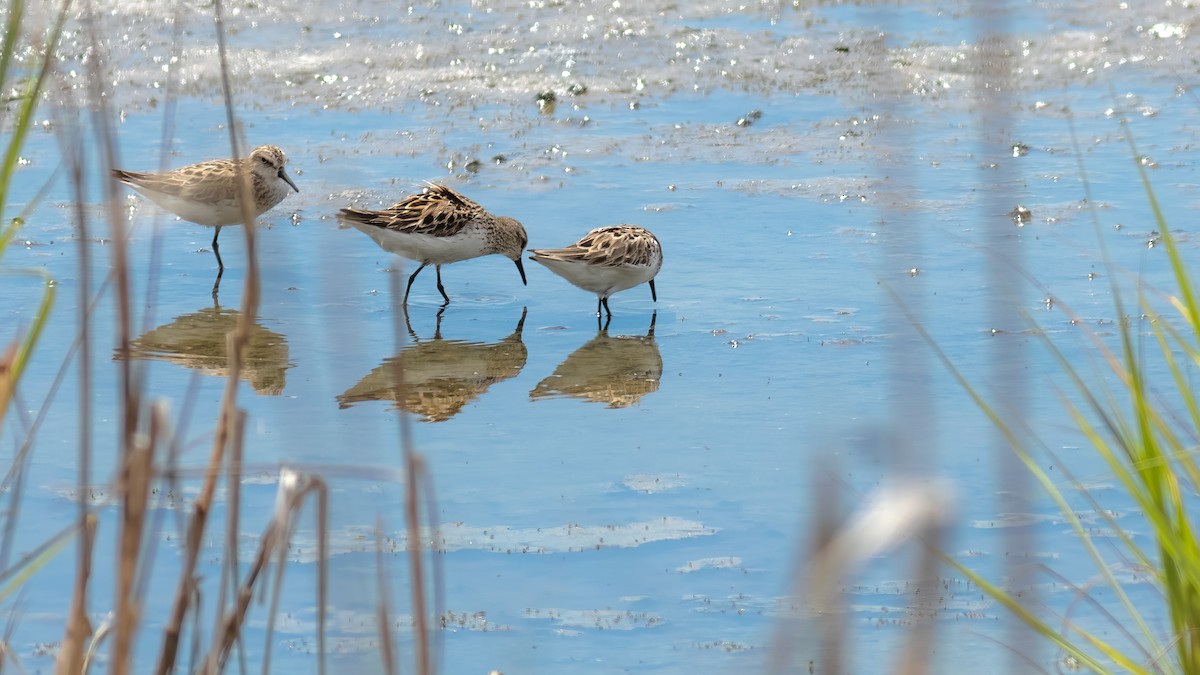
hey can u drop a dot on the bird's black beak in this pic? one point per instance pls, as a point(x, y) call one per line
point(521, 269)
point(287, 179)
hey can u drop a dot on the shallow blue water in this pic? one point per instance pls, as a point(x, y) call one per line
point(574, 526)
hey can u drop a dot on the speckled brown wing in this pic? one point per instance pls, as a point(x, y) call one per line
point(438, 211)
point(218, 181)
point(611, 246)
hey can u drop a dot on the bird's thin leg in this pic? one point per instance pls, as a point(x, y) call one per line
point(217, 252)
point(603, 328)
point(653, 319)
point(411, 279)
point(599, 304)
point(217, 285)
point(440, 289)
point(604, 301)
point(653, 293)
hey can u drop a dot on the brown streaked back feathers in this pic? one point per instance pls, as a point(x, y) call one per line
point(610, 246)
point(438, 211)
point(219, 180)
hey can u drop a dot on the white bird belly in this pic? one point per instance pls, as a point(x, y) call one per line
point(425, 248)
point(603, 281)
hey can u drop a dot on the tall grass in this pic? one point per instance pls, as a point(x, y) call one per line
point(16, 120)
point(1146, 432)
point(148, 437)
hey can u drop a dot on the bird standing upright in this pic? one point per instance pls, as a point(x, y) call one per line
point(208, 193)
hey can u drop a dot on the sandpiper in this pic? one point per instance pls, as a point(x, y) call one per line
point(606, 260)
point(439, 226)
point(208, 193)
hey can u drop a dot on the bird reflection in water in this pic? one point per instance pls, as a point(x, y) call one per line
point(616, 370)
point(198, 341)
point(440, 376)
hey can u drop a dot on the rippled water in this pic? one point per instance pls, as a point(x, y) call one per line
point(629, 498)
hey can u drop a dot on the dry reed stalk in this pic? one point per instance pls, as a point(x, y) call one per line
point(293, 490)
point(309, 484)
point(383, 606)
point(323, 571)
point(893, 514)
point(233, 482)
point(238, 340)
point(781, 654)
point(136, 458)
point(435, 563)
point(414, 468)
point(137, 474)
point(414, 464)
point(170, 104)
point(71, 655)
point(918, 648)
point(6, 652)
point(992, 84)
point(199, 520)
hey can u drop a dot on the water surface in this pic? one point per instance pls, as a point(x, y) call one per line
point(611, 498)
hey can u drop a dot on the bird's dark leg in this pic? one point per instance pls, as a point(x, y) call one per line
point(217, 284)
point(603, 328)
point(604, 301)
point(653, 293)
point(408, 324)
point(411, 279)
point(599, 303)
point(440, 289)
point(217, 252)
point(653, 319)
point(521, 323)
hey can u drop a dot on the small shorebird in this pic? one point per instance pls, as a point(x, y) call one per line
point(208, 193)
point(607, 260)
point(437, 227)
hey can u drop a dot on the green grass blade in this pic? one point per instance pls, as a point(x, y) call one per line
point(15, 577)
point(12, 29)
point(29, 103)
point(1032, 620)
point(30, 340)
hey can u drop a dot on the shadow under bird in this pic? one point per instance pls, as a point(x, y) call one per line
point(607, 260)
point(208, 193)
point(439, 226)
